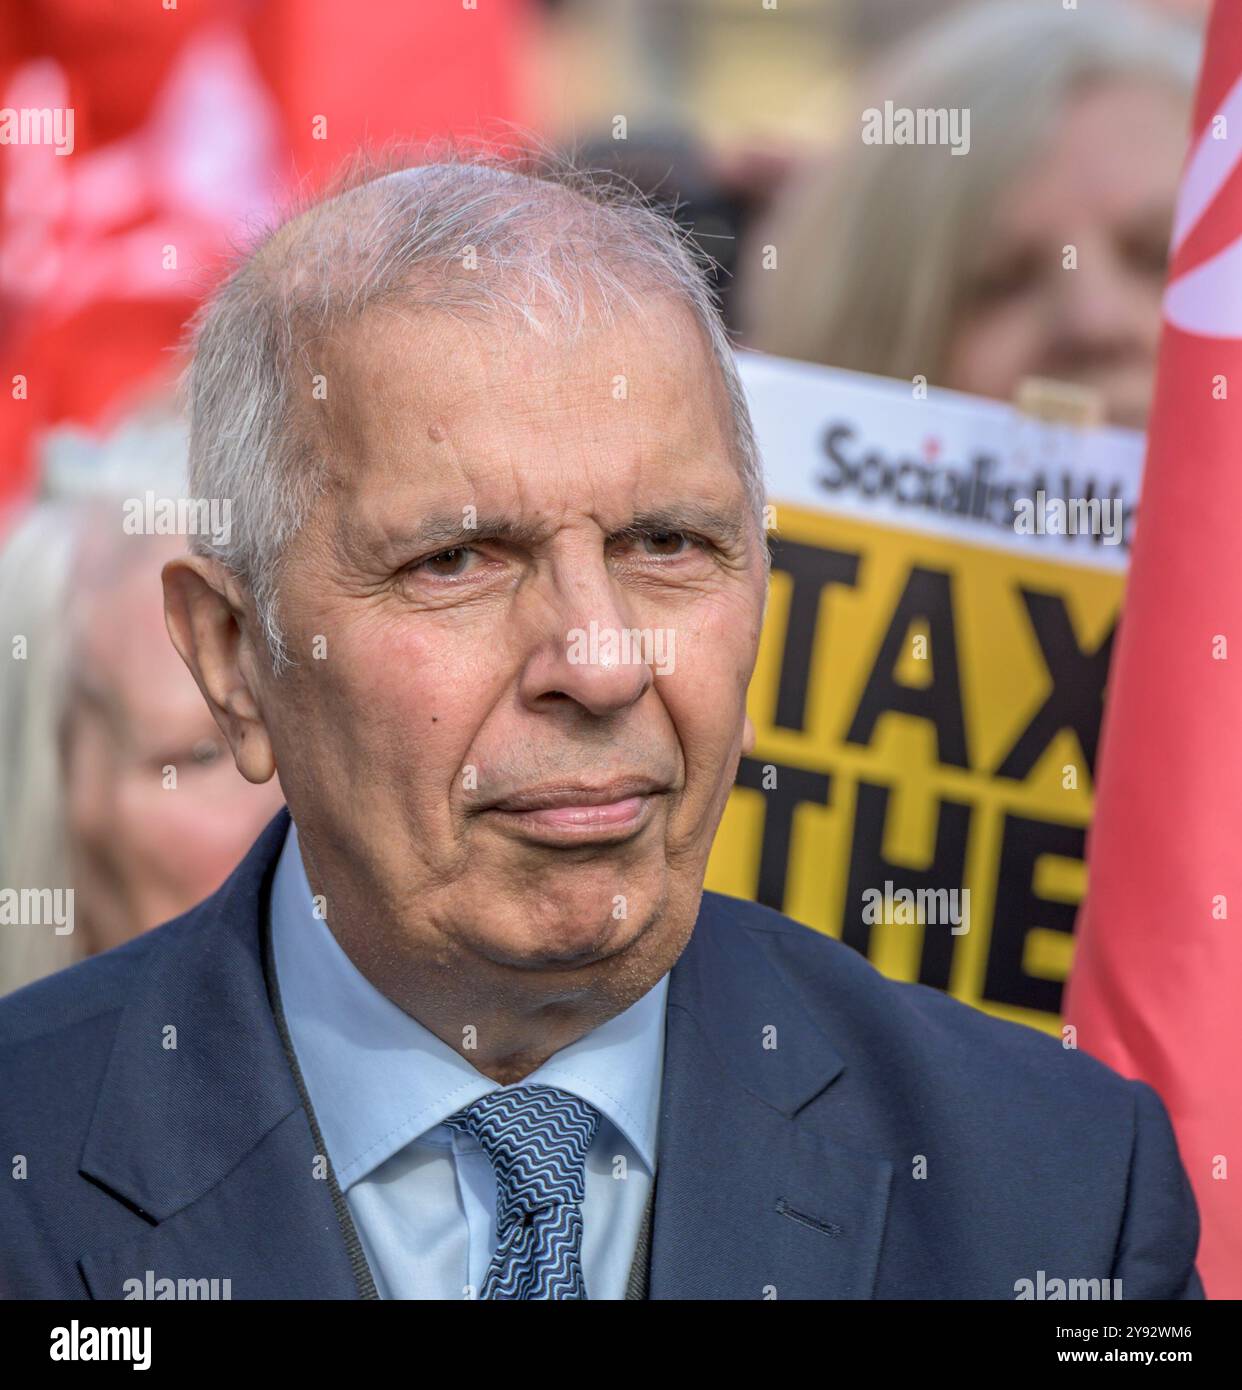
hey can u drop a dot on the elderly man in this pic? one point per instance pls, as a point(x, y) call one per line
point(464, 1023)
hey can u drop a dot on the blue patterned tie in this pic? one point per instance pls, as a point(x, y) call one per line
point(537, 1138)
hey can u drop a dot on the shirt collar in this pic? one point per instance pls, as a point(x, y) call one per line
point(378, 1079)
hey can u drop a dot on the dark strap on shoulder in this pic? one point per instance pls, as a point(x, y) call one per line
point(640, 1270)
point(363, 1280)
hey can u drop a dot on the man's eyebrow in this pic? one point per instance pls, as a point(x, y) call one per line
point(455, 528)
point(450, 529)
point(727, 525)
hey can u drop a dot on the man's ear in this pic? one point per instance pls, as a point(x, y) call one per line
point(204, 609)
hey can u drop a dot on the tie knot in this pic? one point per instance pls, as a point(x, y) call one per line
point(537, 1138)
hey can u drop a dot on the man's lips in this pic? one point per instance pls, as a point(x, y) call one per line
point(574, 814)
point(555, 796)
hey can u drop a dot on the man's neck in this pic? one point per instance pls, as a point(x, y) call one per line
point(504, 1034)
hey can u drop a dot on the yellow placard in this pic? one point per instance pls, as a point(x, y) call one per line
point(928, 714)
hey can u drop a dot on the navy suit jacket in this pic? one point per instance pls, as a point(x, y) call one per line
point(825, 1132)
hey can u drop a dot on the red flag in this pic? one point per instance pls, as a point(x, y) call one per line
point(1156, 989)
point(187, 122)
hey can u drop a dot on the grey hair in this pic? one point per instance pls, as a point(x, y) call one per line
point(544, 232)
point(876, 241)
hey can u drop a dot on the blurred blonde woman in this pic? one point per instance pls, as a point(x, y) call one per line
point(904, 259)
point(96, 708)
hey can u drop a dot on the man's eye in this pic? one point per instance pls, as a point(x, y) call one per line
point(448, 563)
point(665, 543)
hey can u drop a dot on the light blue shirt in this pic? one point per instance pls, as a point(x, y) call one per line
point(422, 1195)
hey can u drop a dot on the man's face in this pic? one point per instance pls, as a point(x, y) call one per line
point(538, 587)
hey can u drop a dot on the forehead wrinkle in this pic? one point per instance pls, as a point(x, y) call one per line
point(414, 361)
point(533, 373)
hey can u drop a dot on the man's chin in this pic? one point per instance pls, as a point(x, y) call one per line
point(565, 939)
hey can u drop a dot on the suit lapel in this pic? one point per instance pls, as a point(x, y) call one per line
point(199, 1126)
point(268, 1228)
point(201, 1130)
point(755, 1195)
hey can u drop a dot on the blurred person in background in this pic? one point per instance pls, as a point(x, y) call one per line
point(903, 259)
point(113, 777)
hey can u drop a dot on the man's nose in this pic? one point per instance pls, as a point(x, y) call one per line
point(585, 648)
